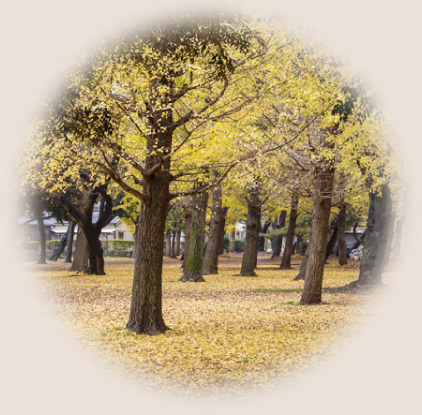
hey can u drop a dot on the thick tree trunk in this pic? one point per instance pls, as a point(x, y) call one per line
point(70, 234)
point(289, 248)
point(42, 249)
point(95, 254)
point(146, 305)
point(376, 238)
point(252, 234)
point(195, 258)
point(210, 265)
point(61, 246)
point(341, 239)
point(324, 180)
point(80, 259)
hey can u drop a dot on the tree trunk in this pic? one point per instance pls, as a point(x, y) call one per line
point(301, 275)
point(188, 226)
point(146, 305)
point(168, 243)
point(277, 242)
point(80, 259)
point(42, 249)
point(195, 258)
point(376, 238)
point(95, 254)
point(223, 230)
point(70, 234)
point(214, 240)
point(173, 244)
point(252, 234)
point(298, 244)
point(261, 241)
point(289, 248)
point(341, 239)
point(177, 248)
point(324, 180)
point(61, 246)
point(333, 239)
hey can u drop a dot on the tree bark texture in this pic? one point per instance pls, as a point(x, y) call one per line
point(376, 238)
point(289, 248)
point(195, 258)
point(210, 265)
point(324, 180)
point(252, 234)
point(341, 239)
point(80, 259)
point(42, 249)
point(146, 314)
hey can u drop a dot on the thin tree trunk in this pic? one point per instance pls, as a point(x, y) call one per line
point(61, 246)
point(298, 244)
point(195, 258)
point(261, 241)
point(168, 243)
point(70, 234)
point(173, 244)
point(376, 238)
point(210, 265)
point(324, 180)
point(250, 253)
point(42, 249)
point(289, 248)
point(223, 230)
point(188, 227)
point(341, 239)
point(277, 242)
point(301, 275)
point(177, 249)
point(333, 239)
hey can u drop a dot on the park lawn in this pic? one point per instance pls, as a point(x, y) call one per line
point(229, 334)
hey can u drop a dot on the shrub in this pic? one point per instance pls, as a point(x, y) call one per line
point(239, 246)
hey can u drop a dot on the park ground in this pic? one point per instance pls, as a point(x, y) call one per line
point(229, 335)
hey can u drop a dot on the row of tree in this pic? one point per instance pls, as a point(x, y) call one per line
point(219, 105)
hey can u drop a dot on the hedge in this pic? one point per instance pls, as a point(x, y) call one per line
point(117, 244)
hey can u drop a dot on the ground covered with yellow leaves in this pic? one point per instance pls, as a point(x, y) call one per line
point(228, 334)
